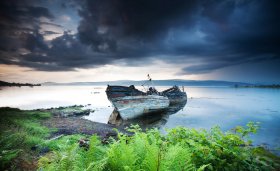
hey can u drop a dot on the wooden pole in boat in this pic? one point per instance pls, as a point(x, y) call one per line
point(150, 79)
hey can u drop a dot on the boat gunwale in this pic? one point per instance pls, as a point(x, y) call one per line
point(144, 97)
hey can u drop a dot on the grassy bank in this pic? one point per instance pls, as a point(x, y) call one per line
point(21, 133)
point(25, 145)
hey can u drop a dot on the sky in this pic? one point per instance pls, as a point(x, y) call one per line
point(100, 40)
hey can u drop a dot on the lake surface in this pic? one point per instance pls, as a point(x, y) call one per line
point(205, 108)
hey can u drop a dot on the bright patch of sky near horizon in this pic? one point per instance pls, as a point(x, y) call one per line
point(112, 73)
point(104, 73)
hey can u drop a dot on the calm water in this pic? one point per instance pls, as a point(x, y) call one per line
point(206, 107)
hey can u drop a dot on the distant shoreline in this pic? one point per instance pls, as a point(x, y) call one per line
point(274, 86)
point(7, 84)
point(185, 83)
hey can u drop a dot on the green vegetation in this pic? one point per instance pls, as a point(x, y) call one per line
point(20, 131)
point(179, 149)
point(24, 145)
point(69, 111)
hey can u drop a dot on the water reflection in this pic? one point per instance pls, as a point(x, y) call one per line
point(152, 120)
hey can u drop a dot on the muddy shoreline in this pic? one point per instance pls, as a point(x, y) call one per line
point(69, 120)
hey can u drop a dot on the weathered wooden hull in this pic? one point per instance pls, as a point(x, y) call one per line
point(148, 121)
point(175, 95)
point(130, 107)
point(122, 91)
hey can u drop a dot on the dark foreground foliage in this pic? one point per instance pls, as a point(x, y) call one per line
point(180, 149)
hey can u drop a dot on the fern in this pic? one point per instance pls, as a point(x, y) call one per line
point(151, 160)
point(181, 149)
point(121, 155)
point(177, 158)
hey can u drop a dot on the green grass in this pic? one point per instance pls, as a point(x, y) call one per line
point(63, 142)
point(20, 130)
point(180, 149)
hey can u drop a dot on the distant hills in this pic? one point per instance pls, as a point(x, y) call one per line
point(155, 82)
point(3, 83)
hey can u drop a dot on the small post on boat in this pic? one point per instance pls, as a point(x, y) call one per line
point(149, 78)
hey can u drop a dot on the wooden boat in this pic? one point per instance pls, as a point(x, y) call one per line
point(132, 103)
point(148, 121)
point(175, 95)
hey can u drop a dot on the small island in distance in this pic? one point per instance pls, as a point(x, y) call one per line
point(3, 84)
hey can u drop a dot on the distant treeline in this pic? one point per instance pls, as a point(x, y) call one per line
point(258, 86)
point(3, 83)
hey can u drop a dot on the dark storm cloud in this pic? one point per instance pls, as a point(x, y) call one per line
point(20, 31)
point(119, 24)
point(222, 62)
point(218, 33)
point(65, 53)
point(19, 25)
point(49, 32)
point(51, 24)
point(212, 33)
